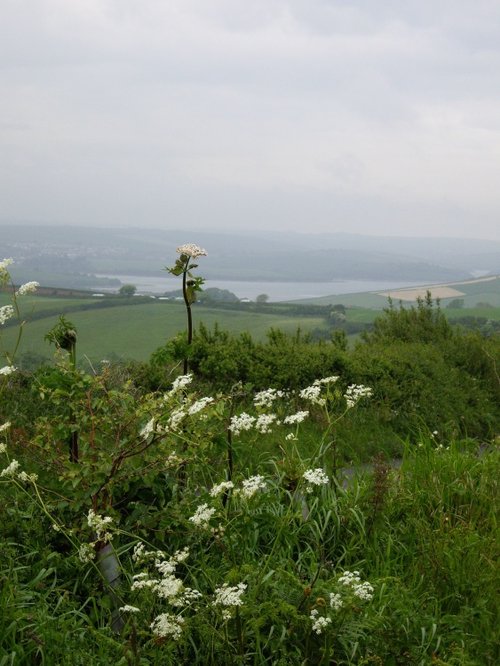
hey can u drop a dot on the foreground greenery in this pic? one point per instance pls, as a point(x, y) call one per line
point(214, 517)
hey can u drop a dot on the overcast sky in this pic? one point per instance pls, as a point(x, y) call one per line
point(366, 116)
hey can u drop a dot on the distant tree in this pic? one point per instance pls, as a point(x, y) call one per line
point(262, 298)
point(128, 290)
point(339, 308)
point(456, 303)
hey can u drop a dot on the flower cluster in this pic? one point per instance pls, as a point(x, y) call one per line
point(264, 422)
point(220, 488)
point(5, 426)
point(241, 422)
point(199, 405)
point(4, 273)
point(180, 383)
point(296, 418)
point(7, 370)
point(191, 250)
point(148, 429)
point(320, 622)
point(229, 598)
point(267, 397)
point(251, 485)
point(28, 288)
point(100, 525)
point(352, 580)
point(6, 313)
point(315, 477)
point(202, 516)
point(355, 392)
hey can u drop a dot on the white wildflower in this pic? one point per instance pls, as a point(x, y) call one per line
point(141, 582)
point(11, 470)
point(7, 370)
point(180, 382)
point(355, 392)
point(168, 587)
point(320, 623)
point(129, 609)
point(315, 477)
point(221, 488)
point(313, 394)
point(148, 429)
point(291, 437)
point(86, 553)
point(3, 447)
point(363, 591)
point(298, 417)
point(192, 250)
point(328, 380)
point(229, 596)
point(28, 288)
point(25, 477)
point(181, 555)
point(199, 405)
point(175, 419)
point(5, 426)
point(202, 515)
point(251, 485)
point(167, 625)
point(6, 312)
point(6, 262)
point(100, 525)
point(241, 422)
point(349, 578)
point(336, 601)
point(264, 422)
point(267, 397)
point(187, 597)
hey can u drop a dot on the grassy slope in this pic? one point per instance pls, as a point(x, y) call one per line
point(135, 331)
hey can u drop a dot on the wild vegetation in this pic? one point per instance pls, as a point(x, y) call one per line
point(202, 508)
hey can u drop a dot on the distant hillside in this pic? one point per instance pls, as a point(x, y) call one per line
point(52, 254)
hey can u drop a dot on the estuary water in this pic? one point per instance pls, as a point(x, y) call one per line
point(277, 291)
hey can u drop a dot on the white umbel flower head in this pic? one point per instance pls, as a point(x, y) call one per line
point(202, 515)
point(6, 313)
point(315, 477)
point(229, 596)
point(7, 370)
point(27, 288)
point(191, 250)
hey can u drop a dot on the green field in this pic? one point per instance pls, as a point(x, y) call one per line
point(112, 327)
point(135, 331)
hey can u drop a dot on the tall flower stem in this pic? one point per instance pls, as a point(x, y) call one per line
point(187, 302)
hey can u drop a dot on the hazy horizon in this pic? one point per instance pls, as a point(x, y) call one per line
point(311, 116)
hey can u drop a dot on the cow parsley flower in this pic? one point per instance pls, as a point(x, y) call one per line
point(11, 470)
point(167, 625)
point(148, 429)
point(7, 370)
point(181, 382)
point(355, 392)
point(3, 447)
point(86, 553)
point(251, 485)
point(229, 596)
point(6, 313)
point(267, 397)
point(241, 422)
point(100, 525)
point(220, 488)
point(202, 516)
point(336, 601)
point(298, 417)
point(320, 623)
point(199, 405)
point(27, 288)
point(315, 477)
point(264, 422)
point(5, 426)
point(313, 394)
point(191, 250)
point(4, 274)
point(129, 609)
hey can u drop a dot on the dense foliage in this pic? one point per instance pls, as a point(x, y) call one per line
point(150, 517)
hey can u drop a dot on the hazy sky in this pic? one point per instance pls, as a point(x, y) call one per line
point(369, 116)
